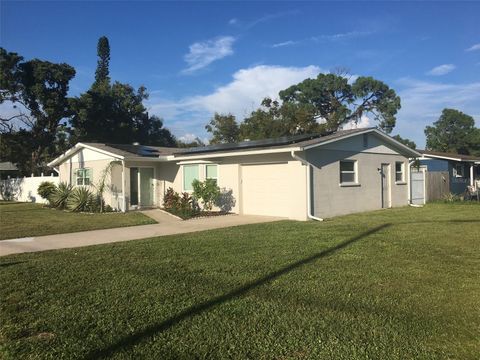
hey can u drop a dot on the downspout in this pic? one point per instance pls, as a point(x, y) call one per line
point(409, 185)
point(124, 199)
point(309, 185)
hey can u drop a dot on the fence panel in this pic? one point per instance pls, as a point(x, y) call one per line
point(438, 185)
point(417, 188)
point(24, 189)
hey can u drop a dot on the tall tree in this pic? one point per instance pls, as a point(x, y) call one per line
point(38, 89)
point(115, 112)
point(102, 72)
point(224, 129)
point(453, 132)
point(405, 141)
point(335, 101)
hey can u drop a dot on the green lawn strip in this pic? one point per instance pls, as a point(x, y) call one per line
point(408, 288)
point(26, 219)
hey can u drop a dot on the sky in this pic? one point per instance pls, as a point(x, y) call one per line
point(196, 58)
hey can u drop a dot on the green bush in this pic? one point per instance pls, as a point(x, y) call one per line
point(171, 200)
point(59, 197)
point(207, 191)
point(183, 205)
point(81, 200)
point(46, 189)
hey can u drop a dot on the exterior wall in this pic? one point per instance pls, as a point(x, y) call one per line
point(331, 199)
point(229, 179)
point(24, 189)
point(458, 185)
point(98, 162)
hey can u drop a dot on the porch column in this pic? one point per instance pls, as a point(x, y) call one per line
point(124, 200)
point(472, 180)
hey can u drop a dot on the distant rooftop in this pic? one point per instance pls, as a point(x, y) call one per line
point(454, 156)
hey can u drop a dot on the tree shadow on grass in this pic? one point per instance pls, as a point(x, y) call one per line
point(135, 338)
point(11, 263)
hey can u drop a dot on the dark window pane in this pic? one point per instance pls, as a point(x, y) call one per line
point(346, 166)
point(398, 166)
point(347, 177)
point(398, 177)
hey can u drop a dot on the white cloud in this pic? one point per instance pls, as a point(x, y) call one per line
point(441, 70)
point(233, 21)
point(240, 96)
point(363, 123)
point(473, 47)
point(285, 43)
point(201, 54)
point(423, 102)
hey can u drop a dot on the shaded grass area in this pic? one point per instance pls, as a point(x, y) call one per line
point(26, 219)
point(393, 284)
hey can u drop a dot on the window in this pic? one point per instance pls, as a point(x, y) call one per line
point(399, 171)
point(458, 171)
point(211, 172)
point(84, 176)
point(348, 172)
point(190, 173)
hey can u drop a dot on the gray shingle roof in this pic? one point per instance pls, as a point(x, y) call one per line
point(450, 155)
point(129, 150)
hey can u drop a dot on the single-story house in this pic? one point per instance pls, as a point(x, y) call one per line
point(8, 170)
point(298, 177)
point(457, 171)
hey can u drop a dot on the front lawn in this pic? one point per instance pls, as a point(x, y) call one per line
point(393, 284)
point(26, 219)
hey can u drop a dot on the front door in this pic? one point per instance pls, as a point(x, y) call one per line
point(385, 173)
point(141, 187)
point(146, 186)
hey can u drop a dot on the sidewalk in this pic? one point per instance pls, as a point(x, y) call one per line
point(167, 225)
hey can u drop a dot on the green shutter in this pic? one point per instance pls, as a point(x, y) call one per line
point(190, 173)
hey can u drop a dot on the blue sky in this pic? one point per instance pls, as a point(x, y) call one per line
point(199, 57)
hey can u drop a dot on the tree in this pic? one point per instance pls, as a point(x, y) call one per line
point(102, 73)
point(38, 91)
point(188, 144)
point(405, 141)
point(453, 132)
point(334, 101)
point(114, 113)
point(224, 129)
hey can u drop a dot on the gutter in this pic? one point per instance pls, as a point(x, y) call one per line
point(309, 186)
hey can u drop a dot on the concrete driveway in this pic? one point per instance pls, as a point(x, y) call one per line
point(167, 225)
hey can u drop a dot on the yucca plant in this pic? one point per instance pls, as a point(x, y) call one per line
point(80, 200)
point(58, 198)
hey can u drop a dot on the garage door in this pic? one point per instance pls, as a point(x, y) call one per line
point(266, 189)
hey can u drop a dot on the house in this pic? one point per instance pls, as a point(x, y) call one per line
point(450, 172)
point(8, 170)
point(298, 177)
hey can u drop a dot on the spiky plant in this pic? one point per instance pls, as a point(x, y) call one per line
point(58, 198)
point(80, 200)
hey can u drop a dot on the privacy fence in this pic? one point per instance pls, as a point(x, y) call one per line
point(24, 189)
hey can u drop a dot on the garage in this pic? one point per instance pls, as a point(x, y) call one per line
point(266, 189)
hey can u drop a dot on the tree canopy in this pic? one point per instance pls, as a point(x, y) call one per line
point(224, 129)
point(453, 132)
point(405, 141)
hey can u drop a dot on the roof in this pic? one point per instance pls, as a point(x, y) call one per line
point(7, 166)
point(286, 143)
point(449, 156)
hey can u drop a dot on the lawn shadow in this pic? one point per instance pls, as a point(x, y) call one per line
point(11, 263)
point(133, 339)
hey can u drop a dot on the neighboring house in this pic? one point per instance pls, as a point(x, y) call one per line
point(7, 170)
point(449, 172)
point(297, 177)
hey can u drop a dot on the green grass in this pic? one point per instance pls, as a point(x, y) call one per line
point(26, 219)
point(394, 284)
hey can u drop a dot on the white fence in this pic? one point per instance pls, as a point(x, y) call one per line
point(24, 189)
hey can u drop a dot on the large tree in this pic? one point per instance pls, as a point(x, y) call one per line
point(224, 129)
point(411, 144)
point(453, 132)
point(114, 113)
point(37, 91)
point(334, 101)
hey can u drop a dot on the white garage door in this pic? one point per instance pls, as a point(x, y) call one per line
point(266, 189)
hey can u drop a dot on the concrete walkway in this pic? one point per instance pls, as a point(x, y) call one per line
point(167, 225)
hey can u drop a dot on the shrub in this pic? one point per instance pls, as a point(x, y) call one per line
point(171, 200)
point(58, 198)
point(450, 198)
point(207, 191)
point(46, 189)
point(81, 200)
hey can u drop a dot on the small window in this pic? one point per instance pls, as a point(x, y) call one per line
point(348, 173)
point(458, 171)
point(211, 172)
point(84, 176)
point(399, 171)
point(190, 173)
